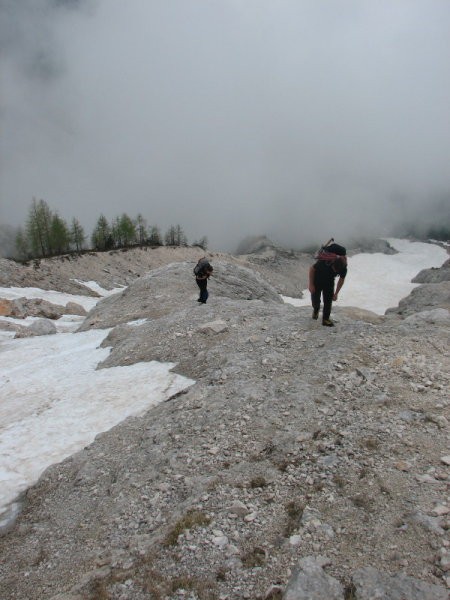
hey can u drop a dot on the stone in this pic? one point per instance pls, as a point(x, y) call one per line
point(39, 327)
point(371, 584)
point(5, 307)
point(213, 327)
point(310, 582)
point(72, 308)
point(238, 508)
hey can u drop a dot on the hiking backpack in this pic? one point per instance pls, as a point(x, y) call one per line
point(330, 251)
point(201, 266)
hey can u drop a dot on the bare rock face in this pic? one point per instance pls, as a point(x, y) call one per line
point(370, 583)
point(36, 307)
point(39, 327)
point(310, 582)
point(173, 286)
point(5, 307)
point(434, 275)
point(425, 297)
point(371, 246)
point(256, 244)
point(73, 308)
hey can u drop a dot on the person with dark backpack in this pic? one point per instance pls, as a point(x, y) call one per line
point(331, 262)
point(203, 271)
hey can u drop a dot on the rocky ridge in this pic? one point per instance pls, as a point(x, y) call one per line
point(303, 460)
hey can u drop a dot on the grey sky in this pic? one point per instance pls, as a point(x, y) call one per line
point(297, 119)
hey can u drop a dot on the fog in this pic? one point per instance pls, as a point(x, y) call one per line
point(296, 119)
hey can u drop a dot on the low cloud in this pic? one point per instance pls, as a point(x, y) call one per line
point(292, 119)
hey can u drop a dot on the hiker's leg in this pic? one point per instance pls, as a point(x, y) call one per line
point(315, 300)
point(198, 282)
point(202, 283)
point(315, 296)
point(328, 290)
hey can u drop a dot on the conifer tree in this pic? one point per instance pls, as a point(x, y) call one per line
point(154, 238)
point(180, 237)
point(116, 233)
point(59, 235)
point(77, 236)
point(141, 230)
point(202, 243)
point(175, 236)
point(170, 236)
point(38, 228)
point(101, 236)
point(127, 230)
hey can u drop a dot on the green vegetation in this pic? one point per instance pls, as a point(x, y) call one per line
point(193, 518)
point(47, 234)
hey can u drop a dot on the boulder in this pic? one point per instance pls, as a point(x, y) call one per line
point(310, 582)
point(39, 327)
point(370, 584)
point(72, 308)
point(5, 307)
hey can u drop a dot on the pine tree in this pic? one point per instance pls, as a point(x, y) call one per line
point(59, 235)
point(175, 236)
point(116, 233)
point(170, 236)
point(181, 239)
point(154, 238)
point(127, 230)
point(141, 229)
point(77, 236)
point(38, 228)
point(101, 236)
point(202, 243)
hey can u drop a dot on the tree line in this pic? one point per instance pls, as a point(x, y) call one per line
point(47, 234)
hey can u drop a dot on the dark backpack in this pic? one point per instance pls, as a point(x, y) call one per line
point(201, 267)
point(336, 249)
point(331, 252)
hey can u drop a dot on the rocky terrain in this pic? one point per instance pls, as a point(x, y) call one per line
point(305, 462)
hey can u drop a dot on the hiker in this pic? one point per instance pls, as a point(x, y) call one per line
point(203, 271)
point(331, 262)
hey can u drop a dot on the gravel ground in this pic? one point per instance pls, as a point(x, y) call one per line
point(296, 441)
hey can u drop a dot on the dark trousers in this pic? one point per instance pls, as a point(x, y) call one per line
point(323, 286)
point(202, 284)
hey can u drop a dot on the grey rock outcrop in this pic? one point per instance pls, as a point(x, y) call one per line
point(424, 297)
point(370, 584)
point(172, 287)
point(434, 275)
point(310, 582)
point(39, 327)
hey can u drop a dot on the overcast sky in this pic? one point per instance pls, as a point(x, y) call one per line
point(296, 119)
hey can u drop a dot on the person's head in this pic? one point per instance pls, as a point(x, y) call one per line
point(209, 270)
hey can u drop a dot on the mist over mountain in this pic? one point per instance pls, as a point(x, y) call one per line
point(297, 120)
point(7, 240)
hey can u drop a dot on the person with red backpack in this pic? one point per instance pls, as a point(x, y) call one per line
point(331, 262)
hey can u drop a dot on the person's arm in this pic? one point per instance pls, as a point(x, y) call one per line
point(311, 285)
point(340, 283)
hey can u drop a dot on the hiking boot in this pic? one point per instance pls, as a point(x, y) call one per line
point(328, 323)
point(315, 315)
